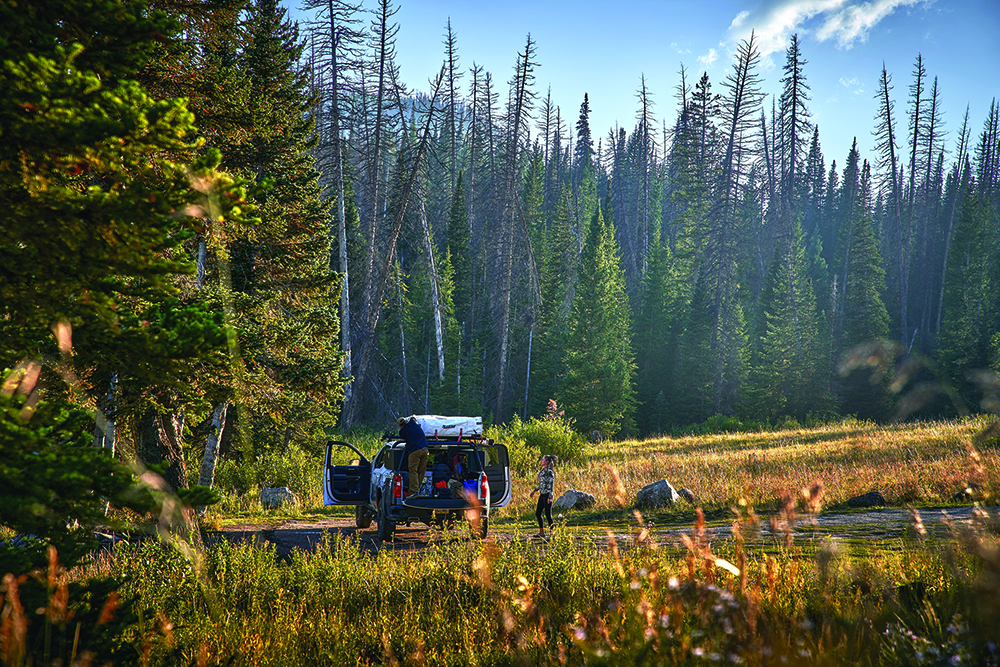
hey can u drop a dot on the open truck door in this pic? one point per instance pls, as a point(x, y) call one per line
point(494, 461)
point(346, 484)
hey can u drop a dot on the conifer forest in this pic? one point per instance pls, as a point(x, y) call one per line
point(217, 220)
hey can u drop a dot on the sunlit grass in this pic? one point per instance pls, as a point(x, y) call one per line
point(588, 596)
point(918, 464)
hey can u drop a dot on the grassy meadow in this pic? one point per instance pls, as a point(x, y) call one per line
point(918, 599)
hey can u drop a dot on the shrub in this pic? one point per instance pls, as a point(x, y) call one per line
point(294, 468)
point(719, 424)
point(527, 441)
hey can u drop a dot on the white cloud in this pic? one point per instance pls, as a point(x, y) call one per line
point(739, 19)
point(709, 58)
point(853, 84)
point(852, 23)
point(846, 21)
point(679, 49)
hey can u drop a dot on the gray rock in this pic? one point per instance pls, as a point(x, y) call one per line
point(688, 495)
point(870, 499)
point(574, 500)
point(657, 494)
point(968, 493)
point(274, 498)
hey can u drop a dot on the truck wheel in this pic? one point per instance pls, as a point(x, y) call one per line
point(362, 517)
point(385, 526)
point(484, 527)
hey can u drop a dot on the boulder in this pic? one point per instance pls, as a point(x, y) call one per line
point(274, 498)
point(657, 494)
point(870, 499)
point(688, 495)
point(966, 494)
point(574, 500)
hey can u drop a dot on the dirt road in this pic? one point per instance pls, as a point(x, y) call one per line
point(877, 524)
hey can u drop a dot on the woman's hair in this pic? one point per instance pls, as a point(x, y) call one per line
point(550, 460)
point(401, 421)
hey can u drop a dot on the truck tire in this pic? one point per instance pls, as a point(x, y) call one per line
point(362, 517)
point(385, 526)
point(484, 527)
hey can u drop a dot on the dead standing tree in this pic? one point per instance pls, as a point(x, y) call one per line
point(371, 310)
point(335, 48)
point(520, 103)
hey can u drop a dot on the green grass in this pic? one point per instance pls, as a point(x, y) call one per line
point(868, 597)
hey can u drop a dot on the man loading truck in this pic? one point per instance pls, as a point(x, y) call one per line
point(415, 453)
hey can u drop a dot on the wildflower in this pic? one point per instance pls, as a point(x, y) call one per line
point(664, 621)
point(698, 652)
point(673, 583)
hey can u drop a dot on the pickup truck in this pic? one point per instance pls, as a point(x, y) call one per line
point(378, 488)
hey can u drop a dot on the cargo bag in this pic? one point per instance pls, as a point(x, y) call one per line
point(437, 426)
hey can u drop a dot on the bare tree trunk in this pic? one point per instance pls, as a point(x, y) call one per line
point(435, 296)
point(206, 476)
point(104, 427)
point(158, 440)
point(404, 402)
point(338, 178)
point(959, 179)
point(518, 116)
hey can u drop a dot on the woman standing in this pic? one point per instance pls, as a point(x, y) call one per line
point(545, 486)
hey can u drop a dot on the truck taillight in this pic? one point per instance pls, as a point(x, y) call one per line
point(484, 486)
point(397, 486)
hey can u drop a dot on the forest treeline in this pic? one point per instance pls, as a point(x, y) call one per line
point(707, 261)
point(224, 230)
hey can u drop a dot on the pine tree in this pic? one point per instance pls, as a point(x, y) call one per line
point(790, 376)
point(95, 216)
point(966, 329)
point(559, 263)
point(598, 390)
point(865, 319)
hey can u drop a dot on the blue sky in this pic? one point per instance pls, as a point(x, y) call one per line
point(603, 48)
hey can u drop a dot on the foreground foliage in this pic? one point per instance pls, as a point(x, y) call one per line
point(624, 600)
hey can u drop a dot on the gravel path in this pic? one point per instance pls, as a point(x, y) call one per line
point(877, 524)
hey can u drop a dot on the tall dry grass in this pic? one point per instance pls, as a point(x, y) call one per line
point(910, 464)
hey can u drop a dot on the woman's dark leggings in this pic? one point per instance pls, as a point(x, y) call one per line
point(544, 503)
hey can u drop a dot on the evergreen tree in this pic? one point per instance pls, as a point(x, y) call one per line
point(598, 391)
point(290, 274)
point(559, 263)
point(968, 318)
point(790, 376)
point(95, 215)
point(864, 316)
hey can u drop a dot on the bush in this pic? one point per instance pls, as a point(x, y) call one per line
point(298, 470)
point(718, 424)
point(529, 441)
